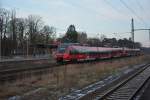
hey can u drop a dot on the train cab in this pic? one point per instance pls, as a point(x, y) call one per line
point(62, 53)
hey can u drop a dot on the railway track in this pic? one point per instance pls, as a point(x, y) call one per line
point(18, 67)
point(126, 89)
point(11, 72)
point(18, 64)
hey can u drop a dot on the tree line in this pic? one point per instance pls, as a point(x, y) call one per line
point(17, 33)
point(113, 42)
point(73, 36)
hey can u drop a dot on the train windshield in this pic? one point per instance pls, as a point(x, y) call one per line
point(63, 47)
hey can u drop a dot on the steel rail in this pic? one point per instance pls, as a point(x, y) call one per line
point(127, 89)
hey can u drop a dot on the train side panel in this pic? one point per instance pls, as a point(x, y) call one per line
point(77, 53)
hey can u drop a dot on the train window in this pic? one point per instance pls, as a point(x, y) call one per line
point(62, 48)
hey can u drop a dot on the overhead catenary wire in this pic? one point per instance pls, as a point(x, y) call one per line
point(139, 4)
point(132, 11)
point(115, 8)
point(112, 6)
point(141, 7)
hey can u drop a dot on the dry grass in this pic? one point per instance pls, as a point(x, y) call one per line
point(62, 80)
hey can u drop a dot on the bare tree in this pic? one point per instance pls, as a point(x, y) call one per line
point(21, 26)
point(16, 33)
point(34, 25)
point(82, 37)
point(1, 22)
point(1, 27)
point(13, 30)
point(102, 37)
point(49, 33)
point(4, 22)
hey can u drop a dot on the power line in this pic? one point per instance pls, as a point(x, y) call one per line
point(139, 4)
point(141, 7)
point(108, 3)
point(132, 11)
point(112, 6)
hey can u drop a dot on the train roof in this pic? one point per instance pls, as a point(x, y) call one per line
point(129, 49)
point(69, 44)
point(93, 49)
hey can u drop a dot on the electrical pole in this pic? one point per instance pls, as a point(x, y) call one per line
point(132, 29)
point(27, 36)
point(27, 47)
point(97, 41)
point(0, 46)
point(149, 34)
point(0, 38)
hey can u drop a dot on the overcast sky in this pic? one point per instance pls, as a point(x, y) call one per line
point(90, 16)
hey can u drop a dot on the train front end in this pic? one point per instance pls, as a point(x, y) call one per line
point(63, 53)
point(59, 55)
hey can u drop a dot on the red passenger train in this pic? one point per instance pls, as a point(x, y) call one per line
point(75, 52)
